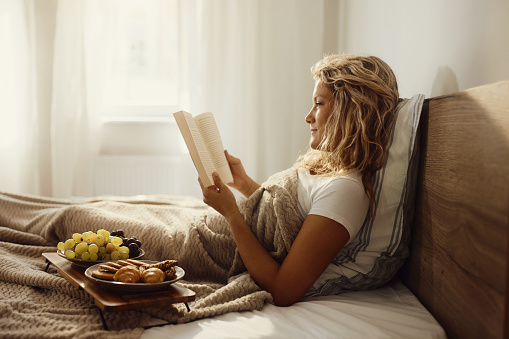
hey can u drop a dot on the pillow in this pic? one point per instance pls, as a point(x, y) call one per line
point(379, 249)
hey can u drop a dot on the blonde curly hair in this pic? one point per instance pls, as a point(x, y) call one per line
point(358, 130)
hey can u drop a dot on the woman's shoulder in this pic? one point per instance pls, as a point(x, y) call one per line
point(330, 179)
point(332, 187)
point(351, 182)
point(354, 176)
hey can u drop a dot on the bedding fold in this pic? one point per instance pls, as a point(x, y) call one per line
point(170, 227)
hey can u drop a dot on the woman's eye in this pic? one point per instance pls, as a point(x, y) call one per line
point(318, 103)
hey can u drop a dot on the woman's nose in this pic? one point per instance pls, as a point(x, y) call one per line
point(309, 117)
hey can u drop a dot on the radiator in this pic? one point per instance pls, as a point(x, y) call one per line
point(128, 175)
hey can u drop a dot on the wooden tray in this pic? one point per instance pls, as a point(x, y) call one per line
point(108, 300)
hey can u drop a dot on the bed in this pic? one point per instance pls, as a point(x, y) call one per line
point(453, 284)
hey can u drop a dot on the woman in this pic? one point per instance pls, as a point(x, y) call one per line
point(350, 121)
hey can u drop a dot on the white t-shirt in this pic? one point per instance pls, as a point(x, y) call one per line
point(341, 199)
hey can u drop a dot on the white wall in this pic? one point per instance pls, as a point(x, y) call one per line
point(434, 46)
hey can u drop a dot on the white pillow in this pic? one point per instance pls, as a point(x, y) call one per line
point(379, 249)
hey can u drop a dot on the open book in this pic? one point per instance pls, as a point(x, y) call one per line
point(205, 146)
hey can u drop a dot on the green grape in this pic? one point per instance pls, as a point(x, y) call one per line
point(117, 241)
point(123, 249)
point(96, 245)
point(76, 237)
point(81, 248)
point(86, 237)
point(110, 248)
point(104, 233)
point(93, 248)
point(99, 240)
point(70, 254)
point(115, 255)
point(69, 244)
point(85, 256)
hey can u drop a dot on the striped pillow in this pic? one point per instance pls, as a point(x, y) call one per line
point(380, 247)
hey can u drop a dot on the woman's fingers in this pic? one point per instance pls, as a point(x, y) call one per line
point(218, 182)
point(231, 159)
point(206, 190)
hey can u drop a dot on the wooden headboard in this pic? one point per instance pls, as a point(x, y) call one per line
point(458, 266)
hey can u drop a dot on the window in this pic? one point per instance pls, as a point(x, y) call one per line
point(144, 61)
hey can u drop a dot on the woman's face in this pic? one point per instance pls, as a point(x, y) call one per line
point(323, 103)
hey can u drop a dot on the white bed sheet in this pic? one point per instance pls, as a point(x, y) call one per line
point(391, 311)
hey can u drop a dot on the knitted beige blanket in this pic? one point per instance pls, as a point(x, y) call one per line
point(39, 304)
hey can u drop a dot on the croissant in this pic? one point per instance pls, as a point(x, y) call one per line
point(153, 275)
point(127, 274)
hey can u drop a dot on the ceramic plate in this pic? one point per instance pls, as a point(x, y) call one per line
point(133, 287)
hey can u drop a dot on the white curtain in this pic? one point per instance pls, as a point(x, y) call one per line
point(82, 35)
point(246, 61)
point(64, 164)
point(18, 115)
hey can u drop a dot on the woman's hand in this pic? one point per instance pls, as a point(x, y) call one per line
point(220, 197)
point(241, 181)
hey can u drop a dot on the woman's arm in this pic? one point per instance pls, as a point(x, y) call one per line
point(241, 181)
point(317, 243)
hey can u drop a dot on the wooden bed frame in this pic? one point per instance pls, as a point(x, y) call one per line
point(458, 267)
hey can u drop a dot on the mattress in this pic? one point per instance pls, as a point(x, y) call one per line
point(391, 311)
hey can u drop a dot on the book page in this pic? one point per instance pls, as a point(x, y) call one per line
point(202, 149)
point(210, 134)
point(197, 148)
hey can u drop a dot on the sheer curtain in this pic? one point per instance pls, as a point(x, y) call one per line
point(83, 30)
point(18, 112)
point(246, 61)
point(72, 127)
